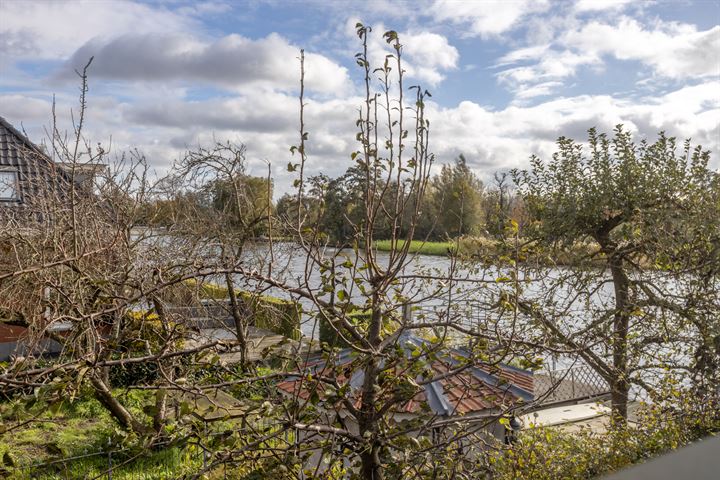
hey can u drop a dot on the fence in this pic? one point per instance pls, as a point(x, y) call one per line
point(468, 315)
point(573, 383)
point(202, 316)
point(568, 384)
point(276, 315)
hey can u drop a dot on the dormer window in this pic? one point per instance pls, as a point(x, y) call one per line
point(9, 188)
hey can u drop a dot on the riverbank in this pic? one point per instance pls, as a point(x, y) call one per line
point(484, 247)
point(419, 246)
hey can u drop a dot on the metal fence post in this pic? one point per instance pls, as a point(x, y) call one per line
point(407, 313)
point(204, 451)
point(109, 460)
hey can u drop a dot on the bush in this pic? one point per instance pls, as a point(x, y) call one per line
point(550, 453)
point(130, 374)
point(274, 314)
point(330, 335)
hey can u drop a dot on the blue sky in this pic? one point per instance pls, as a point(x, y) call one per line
point(507, 77)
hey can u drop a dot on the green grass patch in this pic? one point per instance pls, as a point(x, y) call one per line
point(45, 447)
point(485, 248)
point(417, 246)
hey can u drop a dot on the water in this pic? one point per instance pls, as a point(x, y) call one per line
point(469, 291)
point(575, 298)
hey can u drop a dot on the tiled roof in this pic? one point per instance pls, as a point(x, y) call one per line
point(459, 387)
point(11, 333)
point(15, 147)
point(39, 177)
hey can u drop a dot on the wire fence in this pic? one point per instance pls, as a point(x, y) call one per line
point(551, 386)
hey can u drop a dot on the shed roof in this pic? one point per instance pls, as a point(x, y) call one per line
point(457, 386)
point(11, 333)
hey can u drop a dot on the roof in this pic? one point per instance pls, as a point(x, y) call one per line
point(459, 386)
point(39, 177)
point(11, 333)
point(15, 146)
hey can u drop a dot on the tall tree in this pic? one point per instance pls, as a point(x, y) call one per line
point(650, 217)
point(458, 197)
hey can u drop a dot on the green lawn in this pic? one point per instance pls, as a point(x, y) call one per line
point(418, 246)
point(83, 428)
point(77, 429)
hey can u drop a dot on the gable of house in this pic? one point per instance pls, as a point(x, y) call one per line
point(27, 173)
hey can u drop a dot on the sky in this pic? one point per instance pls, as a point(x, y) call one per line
point(507, 78)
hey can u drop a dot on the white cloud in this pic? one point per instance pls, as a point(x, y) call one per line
point(522, 54)
point(545, 76)
point(669, 50)
point(232, 61)
point(486, 17)
point(149, 61)
point(25, 108)
point(490, 139)
point(674, 50)
point(51, 30)
point(505, 138)
point(600, 5)
point(429, 56)
point(426, 56)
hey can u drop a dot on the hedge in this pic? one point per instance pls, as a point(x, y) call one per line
point(271, 313)
point(274, 314)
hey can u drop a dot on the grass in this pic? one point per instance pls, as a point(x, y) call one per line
point(79, 428)
point(418, 246)
point(40, 449)
point(480, 247)
point(165, 464)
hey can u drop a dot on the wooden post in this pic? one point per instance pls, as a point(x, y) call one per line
point(407, 313)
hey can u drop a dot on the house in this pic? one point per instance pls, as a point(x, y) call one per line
point(29, 177)
point(33, 188)
point(452, 391)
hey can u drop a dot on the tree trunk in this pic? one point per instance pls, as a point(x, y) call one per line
point(161, 395)
point(371, 465)
point(620, 384)
point(619, 381)
point(240, 330)
point(116, 409)
point(371, 468)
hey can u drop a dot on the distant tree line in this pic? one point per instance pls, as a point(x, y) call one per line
point(457, 203)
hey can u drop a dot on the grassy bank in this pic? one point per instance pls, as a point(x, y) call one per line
point(488, 248)
point(418, 246)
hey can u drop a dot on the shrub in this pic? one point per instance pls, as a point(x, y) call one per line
point(274, 314)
